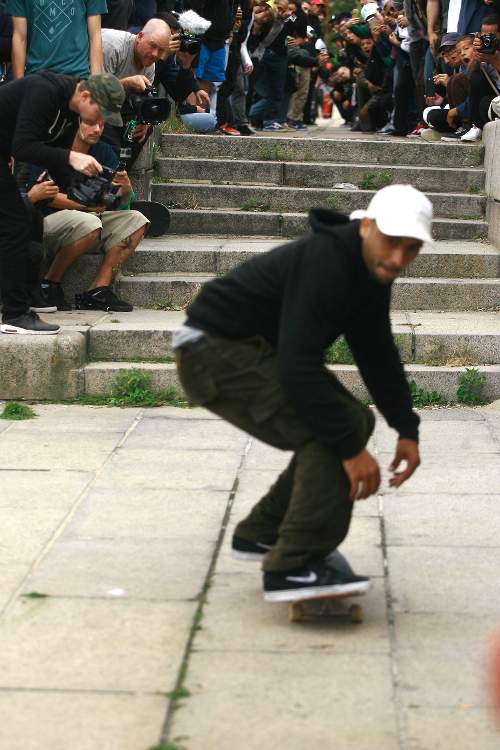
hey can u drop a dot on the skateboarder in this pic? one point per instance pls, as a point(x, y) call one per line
point(252, 351)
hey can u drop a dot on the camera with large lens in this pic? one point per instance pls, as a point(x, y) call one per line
point(190, 43)
point(94, 191)
point(489, 44)
point(148, 108)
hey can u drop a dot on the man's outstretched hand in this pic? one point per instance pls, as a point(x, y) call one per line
point(407, 451)
point(363, 473)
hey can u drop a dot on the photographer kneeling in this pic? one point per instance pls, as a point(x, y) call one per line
point(72, 229)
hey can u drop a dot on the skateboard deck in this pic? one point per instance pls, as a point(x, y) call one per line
point(158, 215)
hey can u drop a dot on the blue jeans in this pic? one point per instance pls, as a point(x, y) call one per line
point(200, 122)
point(270, 78)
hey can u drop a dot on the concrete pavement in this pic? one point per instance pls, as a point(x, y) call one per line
point(122, 518)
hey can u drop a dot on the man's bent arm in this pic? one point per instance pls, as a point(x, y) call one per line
point(95, 44)
point(19, 43)
point(372, 344)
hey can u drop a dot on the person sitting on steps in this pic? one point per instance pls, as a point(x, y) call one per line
point(72, 230)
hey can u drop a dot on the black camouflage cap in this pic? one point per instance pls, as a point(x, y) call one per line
point(109, 94)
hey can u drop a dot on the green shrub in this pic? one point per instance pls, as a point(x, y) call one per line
point(471, 387)
point(339, 353)
point(17, 411)
point(420, 397)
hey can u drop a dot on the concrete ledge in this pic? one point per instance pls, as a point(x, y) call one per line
point(41, 367)
point(99, 377)
point(493, 218)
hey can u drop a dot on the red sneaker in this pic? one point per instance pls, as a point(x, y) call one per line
point(416, 133)
point(228, 130)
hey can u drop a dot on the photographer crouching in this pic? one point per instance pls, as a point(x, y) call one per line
point(39, 112)
point(131, 58)
point(85, 213)
point(485, 79)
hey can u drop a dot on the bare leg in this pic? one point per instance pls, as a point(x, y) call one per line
point(115, 257)
point(68, 254)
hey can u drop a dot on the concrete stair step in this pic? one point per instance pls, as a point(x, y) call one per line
point(215, 255)
point(99, 377)
point(270, 198)
point(453, 338)
point(236, 222)
point(336, 150)
point(321, 174)
point(178, 290)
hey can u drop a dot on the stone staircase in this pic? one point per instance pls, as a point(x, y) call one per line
point(234, 197)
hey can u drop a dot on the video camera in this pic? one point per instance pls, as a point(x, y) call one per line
point(489, 44)
point(95, 191)
point(190, 43)
point(148, 108)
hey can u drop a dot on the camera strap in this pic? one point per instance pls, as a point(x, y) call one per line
point(271, 35)
point(495, 87)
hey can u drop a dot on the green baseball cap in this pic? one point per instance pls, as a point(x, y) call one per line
point(109, 94)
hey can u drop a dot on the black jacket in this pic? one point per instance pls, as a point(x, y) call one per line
point(35, 116)
point(301, 297)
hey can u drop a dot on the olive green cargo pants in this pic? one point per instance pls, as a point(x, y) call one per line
point(307, 512)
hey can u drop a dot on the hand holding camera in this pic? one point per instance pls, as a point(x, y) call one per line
point(84, 163)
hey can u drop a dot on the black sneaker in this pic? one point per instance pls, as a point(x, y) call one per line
point(28, 323)
point(243, 550)
point(39, 302)
point(312, 582)
point(246, 130)
point(53, 293)
point(459, 132)
point(101, 298)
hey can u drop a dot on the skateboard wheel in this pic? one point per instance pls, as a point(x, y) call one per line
point(356, 613)
point(295, 612)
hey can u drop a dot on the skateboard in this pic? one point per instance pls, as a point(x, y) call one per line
point(158, 215)
point(325, 607)
point(328, 606)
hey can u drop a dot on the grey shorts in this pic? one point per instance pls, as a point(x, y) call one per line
point(67, 226)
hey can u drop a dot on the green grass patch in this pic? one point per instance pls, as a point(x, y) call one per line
point(178, 694)
point(471, 387)
point(252, 205)
point(16, 411)
point(339, 353)
point(167, 746)
point(375, 180)
point(421, 397)
point(333, 202)
point(133, 388)
point(268, 152)
point(34, 595)
point(474, 190)
point(165, 306)
point(174, 124)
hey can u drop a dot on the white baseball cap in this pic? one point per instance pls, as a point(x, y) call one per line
point(400, 211)
point(369, 10)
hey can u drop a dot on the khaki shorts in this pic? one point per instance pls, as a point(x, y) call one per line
point(67, 226)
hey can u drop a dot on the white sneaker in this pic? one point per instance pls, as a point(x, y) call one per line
point(472, 135)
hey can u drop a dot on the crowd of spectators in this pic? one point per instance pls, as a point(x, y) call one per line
point(428, 69)
point(399, 67)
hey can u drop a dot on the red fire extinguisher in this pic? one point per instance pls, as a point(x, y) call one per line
point(327, 106)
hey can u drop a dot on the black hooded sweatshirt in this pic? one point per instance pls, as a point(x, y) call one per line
point(300, 297)
point(35, 116)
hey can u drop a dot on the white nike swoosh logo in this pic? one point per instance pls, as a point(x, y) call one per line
point(311, 578)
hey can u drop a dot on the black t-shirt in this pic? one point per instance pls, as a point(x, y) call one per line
point(119, 14)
